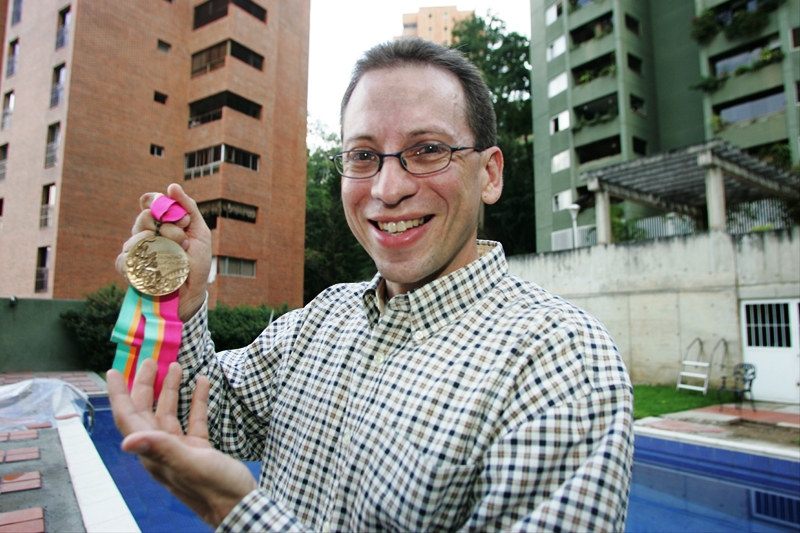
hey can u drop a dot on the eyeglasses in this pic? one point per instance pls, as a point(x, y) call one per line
point(418, 160)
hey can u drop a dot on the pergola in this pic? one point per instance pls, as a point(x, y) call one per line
point(696, 180)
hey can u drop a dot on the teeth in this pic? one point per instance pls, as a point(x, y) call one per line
point(396, 228)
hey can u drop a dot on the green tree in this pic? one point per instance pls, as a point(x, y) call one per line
point(93, 324)
point(503, 59)
point(236, 327)
point(332, 253)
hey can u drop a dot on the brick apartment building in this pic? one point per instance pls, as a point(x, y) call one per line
point(433, 24)
point(106, 100)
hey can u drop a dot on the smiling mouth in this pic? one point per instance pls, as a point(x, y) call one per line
point(397, 228)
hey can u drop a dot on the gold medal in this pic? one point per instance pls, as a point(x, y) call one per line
point(157, 266)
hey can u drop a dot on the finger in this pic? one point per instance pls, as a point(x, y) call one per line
point(198, 414)
point(167, 409)
point(144, 222)
point(177, 193)
point(142, 392)
point(147, 199)
point(125, 417)
point(173, 232)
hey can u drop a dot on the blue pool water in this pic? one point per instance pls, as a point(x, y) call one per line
point(677, 487)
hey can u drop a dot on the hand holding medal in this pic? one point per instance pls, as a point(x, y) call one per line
point(148, 325)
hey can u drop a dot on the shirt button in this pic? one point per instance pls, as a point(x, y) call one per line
point(326, 527)
point(419, 336)
point(346, 438)
point(380, 359)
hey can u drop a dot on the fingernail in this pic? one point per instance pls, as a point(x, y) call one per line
point(185, 244)
point(140, 447)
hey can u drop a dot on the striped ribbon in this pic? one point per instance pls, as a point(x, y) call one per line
point(148, 326)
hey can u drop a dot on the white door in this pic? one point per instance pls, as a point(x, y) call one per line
point(771, 341)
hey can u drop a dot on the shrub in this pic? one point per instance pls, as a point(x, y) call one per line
point(746, 24)
point(705, 27)
point(236, 327)
point(93, 324)
point(710, 84)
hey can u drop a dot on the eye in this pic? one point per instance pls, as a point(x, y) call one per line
point(361, 156)
point(428, 149)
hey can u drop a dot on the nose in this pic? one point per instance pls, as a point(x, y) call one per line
point(393, 183)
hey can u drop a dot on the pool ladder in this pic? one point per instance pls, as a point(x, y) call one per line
point(697, 368)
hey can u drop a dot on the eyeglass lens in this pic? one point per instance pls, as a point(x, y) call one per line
point(422, 159)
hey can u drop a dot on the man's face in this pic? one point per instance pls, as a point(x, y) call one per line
point(391, 110)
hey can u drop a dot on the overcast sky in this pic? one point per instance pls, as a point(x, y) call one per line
point(341, 30)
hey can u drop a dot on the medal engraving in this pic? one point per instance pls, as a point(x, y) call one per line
point(157, 266)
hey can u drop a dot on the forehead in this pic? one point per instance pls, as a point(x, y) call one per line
point(402, 102)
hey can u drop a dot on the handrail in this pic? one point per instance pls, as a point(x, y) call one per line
point(688, 348)
point(720, 342)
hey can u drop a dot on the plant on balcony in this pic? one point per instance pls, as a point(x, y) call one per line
point(602, 29)
point(586, 77)
point(718, 123)
point(610, 70)
point(746, 24)
point(710, 84)
point(705, 26)
point(770, 5)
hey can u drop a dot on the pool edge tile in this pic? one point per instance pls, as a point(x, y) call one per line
point(80, 450)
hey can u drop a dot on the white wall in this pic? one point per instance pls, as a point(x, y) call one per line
point(656, 296)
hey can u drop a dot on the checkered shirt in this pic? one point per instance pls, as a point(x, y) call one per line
point(478, 402)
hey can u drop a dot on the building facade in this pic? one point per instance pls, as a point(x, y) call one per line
point(433, 24)
point(104, 101)
point(616, 80)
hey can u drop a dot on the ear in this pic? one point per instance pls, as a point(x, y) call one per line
point(492, 161)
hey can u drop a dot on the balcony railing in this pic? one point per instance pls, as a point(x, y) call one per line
point(208, 67)
point(205, 118)
point(11, 66)
point(61, 37)
point(45, 216)
point(51, 154)
point(199, 172)
point(41, 279)
point(6, 122)
point(2, 170)
point(56, 94)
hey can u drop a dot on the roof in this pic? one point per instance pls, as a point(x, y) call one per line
point(675, 180)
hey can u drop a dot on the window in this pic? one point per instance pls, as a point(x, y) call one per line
point(233, 266)
point(242, 53)
point(1, 213)
point(796, 37)
point(209, 59)
point(8, 110)
point(637, 105)
point(210, 109)
point(57, 87)
point(62, 32)
point(639, 146)
point(3, 161)
point(161, 98)
point(594, 29)
point(42, 273)
point(51, 153)
point(634, 63)
point(164, 46)
point(48, 205)
point(552, 13)
point(562, 200)
point(761, 104)
point(213, 209)
point(729, 62)
point(768, 325)
point(11, 60)
point(16, 12)
point(559, 122)
point(206, 162)
point(556, 48)
point(156, 150)
point(607, 147)
point(585, 73)
point(208, 12)
point(560, 161)
point(598, 111)
point(632, 24)
point(557, 85)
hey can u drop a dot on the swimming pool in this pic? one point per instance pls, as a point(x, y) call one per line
point(677, 487)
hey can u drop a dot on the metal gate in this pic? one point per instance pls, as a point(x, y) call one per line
point(771, 341)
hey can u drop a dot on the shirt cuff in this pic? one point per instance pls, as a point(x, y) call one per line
point(258, 512)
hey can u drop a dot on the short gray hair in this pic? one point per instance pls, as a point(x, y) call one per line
point(415, 51)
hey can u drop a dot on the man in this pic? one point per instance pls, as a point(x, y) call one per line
point(445, 394)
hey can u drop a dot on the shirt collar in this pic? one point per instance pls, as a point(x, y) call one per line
point(437, 303)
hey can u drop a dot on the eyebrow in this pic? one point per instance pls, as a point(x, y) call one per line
point(414, 133)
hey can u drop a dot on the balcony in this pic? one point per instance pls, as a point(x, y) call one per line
point(761, 130)
point(56, 94)
point(737, 87)
point(3, 170)
point(199, 172)
point(6, 121)
point(11, 66)
point(205, 118)
point(46, 216)
point(62, 34)
point(591, 49)
point(51, 155)
point(42, 273)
